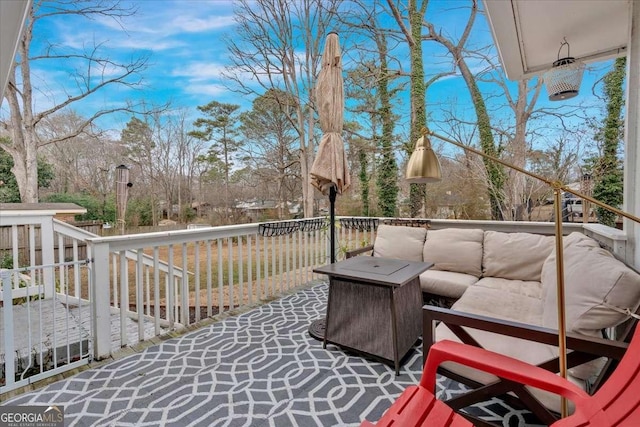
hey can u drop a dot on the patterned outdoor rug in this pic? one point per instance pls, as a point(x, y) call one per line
point(260, 368)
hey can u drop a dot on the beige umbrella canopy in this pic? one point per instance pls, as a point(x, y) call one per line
point(329, 172)
point(330, 167)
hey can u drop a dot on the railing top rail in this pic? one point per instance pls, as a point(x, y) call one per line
point(135, 241)
point(72, 230)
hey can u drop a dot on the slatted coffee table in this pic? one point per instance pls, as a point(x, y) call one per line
point(374, 306)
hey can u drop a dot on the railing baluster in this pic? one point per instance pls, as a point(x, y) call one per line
point(294, 266)
point(170, 292)
point(76, 272)
point(209, 279)
point(274, 271)
point(61, 276)
point(140, 294)
point(114, 264)
point(196, 260)
point(156, 290)
point(147, 282)
point(266, 266)
point(124, 297)
point(184, 289)
point(241, 299)
point(288, 262)
point(250, 269)
point(230, 273)
point(15, 251)
point(258, 281)
point(220, 278)
point(280, 264)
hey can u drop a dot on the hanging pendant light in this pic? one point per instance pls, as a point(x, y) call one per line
point(424, 165)
point(563, 80)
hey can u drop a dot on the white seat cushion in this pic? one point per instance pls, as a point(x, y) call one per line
point(399, 242)
point(446, 283)
point(526, 288)
point(520, 304)
point(455, 249)
point(498, 298)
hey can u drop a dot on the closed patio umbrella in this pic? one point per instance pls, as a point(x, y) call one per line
point(329, 172)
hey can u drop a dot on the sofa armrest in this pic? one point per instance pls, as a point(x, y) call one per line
point(350, 254)
point(579, 343)
point(500, 366)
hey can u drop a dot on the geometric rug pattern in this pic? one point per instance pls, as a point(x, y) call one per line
point(260, 368)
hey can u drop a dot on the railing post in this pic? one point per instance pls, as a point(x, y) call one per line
point(48, 258)
point(8, 344)
point(101, 322)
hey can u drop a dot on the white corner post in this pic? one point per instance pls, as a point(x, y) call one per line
point(101, 321)
point(48, 257)
point(632, 135)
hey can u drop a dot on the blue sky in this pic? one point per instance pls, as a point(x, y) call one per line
point(182, 38)
point(184, 42)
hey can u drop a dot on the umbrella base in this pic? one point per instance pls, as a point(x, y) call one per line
point(316, 329)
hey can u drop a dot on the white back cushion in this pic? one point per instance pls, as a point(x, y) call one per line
point(455, 249)
point(393, 241)
point(517, 256)
point(592, 276)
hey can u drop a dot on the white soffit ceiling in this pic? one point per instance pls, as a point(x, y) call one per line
point(12, 16)
point(528, 33)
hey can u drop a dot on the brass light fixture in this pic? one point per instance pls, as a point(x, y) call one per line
point(424, 165)
point(563, 80)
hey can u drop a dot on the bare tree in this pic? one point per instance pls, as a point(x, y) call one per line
point(84, 163)
point(99, 72)
point(265, 55)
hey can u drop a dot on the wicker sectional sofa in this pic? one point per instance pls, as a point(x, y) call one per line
point(512, 276)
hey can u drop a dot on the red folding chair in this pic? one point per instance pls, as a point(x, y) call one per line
point(616, 403)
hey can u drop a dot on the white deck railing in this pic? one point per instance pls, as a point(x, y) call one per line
point(127, 289)
point(220, 269)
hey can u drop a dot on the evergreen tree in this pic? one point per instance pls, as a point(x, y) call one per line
point(219, 126)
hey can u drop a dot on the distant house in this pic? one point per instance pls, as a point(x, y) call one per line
point(257, 210)
point(201, 208)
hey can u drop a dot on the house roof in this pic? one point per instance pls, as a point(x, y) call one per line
point(12, 18)
point(58, 208)
point(528, 33)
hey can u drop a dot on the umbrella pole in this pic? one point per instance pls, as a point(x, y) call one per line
point(332, 222)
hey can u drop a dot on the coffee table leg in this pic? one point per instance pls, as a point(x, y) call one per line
point(394, 331)
point(326, 320)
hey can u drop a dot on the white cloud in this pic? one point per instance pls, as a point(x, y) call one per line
point(200, 71)
point(212, 89)
point(173, 18)
point(193, 24)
